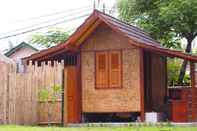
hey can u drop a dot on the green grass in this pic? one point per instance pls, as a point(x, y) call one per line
point(148, 128)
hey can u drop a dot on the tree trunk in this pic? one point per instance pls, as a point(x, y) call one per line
point(184, 64)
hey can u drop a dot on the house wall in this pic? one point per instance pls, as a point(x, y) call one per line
point(21, 53)
point(125, 99)
point(159, 81)
point(155, 81)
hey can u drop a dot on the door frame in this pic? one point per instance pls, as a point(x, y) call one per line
point(79, 93)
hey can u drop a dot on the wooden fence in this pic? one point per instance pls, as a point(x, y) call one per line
point(19, 101)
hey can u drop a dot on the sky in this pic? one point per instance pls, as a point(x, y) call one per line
point(20, 14)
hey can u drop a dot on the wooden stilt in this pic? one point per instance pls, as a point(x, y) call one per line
point(142, 84)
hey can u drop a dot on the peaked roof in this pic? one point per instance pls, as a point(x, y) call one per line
point(136, 37)
point(21, 45)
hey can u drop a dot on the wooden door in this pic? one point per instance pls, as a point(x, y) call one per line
point(73, 96)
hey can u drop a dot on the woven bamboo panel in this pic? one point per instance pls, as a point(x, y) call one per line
point(123, 99)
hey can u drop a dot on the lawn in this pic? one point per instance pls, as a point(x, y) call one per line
point(150, 128)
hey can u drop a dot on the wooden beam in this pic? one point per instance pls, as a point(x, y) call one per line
point(87, 32)
point(62, 115)
point(193, 84)
point(142, 85)
point(166, 79)
point(79, 84)
point(65, 97)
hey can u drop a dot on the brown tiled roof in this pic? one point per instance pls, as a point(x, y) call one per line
point(132, 31)
point(136, 36)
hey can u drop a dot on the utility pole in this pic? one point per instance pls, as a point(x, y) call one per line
point(94, 5)
point(103, 7)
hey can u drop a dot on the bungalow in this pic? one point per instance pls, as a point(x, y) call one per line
point(20, 51)
point(114, 69)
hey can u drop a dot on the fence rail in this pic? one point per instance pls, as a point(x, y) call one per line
point(19, 93)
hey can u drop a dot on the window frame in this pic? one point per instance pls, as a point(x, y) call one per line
point(108, 69)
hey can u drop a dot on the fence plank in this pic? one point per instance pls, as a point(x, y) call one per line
point(19, 93)
point(3, 94)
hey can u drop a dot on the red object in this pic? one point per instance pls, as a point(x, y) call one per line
point(73, 96)
point(179, 111)
point(183, 104)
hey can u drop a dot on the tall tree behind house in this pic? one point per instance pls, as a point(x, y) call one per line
point(167, 21)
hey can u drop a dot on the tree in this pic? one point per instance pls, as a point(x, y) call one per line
point(167, 21)
point(174, 66)
point(50, 38)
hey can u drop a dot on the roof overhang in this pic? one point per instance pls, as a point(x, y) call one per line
point(137, 38)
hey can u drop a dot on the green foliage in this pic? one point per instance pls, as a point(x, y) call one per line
point(187, 80)
point(50, 38)
point(49, 95)
point(165, 20)
point(174, 66)
point(133, 128)
point(127, 11)
point(56, 88)
point(43, 94)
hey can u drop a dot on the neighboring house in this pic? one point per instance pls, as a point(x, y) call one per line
point(111, 69)
point(20, 51)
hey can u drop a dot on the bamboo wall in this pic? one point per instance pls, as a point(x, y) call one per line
point(20, 103)
point(124, 99)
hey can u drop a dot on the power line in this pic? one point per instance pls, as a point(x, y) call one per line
point(52, 14)
point(42, 27)
point(48, 21)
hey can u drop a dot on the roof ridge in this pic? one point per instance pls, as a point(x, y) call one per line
point(11, 51)
point(129, 29)
point(141, 39)
point(123, 22)
point(137, 30)
point(138, 33)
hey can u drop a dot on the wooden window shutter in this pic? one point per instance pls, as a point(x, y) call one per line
point(102, 70)
point(115, 66)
